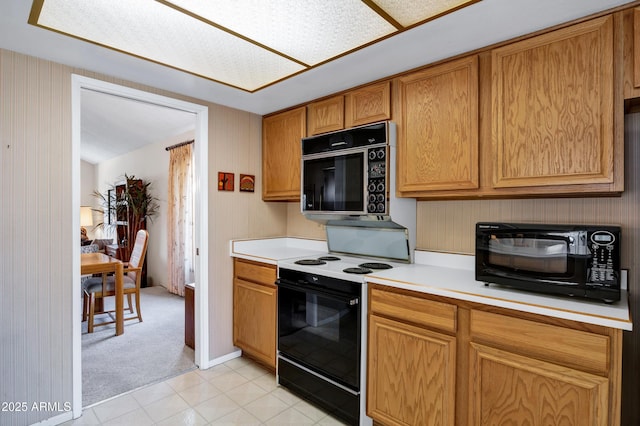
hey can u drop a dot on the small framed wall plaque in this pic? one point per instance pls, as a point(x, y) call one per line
point(225, 181)
point(247, 183)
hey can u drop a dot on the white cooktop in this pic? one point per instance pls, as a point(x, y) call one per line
point(335, 268)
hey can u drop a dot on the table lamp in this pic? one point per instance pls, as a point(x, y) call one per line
point(86, 219)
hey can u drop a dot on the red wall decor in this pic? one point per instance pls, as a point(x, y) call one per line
point(225, 181)
point(247, 183)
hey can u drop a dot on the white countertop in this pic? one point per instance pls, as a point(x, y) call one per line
point(270, 250)
point(459, 283)
point(449, 275)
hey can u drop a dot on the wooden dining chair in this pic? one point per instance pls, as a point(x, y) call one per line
point(101, 287)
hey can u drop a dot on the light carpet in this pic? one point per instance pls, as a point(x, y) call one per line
point(147, 352)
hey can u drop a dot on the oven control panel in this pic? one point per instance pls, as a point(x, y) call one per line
point(377, 181)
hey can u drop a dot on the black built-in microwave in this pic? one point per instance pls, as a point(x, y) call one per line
point(345, 172)
point(575, 260)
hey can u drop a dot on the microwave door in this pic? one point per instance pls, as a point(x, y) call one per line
point(334, 184)
point(531, 254)
point(328, 190)
point(350, 183)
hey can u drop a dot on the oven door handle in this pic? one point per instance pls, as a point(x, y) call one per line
point(308, 288)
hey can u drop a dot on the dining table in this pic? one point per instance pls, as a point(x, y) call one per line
point(100, 263)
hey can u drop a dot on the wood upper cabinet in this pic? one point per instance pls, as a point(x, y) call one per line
point(553, 108)
point(368, 104)
point(357, 107)
point(412, 365)
point(254, 310)
point(631, 52)
point(281, 155)
point(326, 115)
point(632, 37)
point(438, 129)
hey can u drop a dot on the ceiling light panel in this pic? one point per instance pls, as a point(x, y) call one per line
point(411, 12)
point(310, 31)
point(154, 31)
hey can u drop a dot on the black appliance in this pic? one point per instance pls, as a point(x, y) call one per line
point(319, 340)
point(345, 172)
point(575, 260)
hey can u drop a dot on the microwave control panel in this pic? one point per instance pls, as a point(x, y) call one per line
point(604, 261)
point(377, 180)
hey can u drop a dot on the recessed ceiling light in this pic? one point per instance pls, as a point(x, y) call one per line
point(247, 44)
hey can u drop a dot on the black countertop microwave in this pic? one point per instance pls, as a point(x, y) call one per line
point(574, 260)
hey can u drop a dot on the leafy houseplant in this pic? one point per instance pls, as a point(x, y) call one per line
point(127, 206)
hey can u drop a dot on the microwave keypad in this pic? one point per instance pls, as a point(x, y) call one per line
point(602, 268)
point(376, 185)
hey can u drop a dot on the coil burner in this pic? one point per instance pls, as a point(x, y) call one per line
point(375, 265)
point(310, 262)
point(329, 258)
point(357, 270)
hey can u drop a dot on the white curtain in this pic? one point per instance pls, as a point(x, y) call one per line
point(180, 218)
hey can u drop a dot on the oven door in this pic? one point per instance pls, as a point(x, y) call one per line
point(335, 183)
point(320, 330)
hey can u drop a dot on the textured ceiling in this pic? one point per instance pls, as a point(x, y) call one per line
point(246, 44)
point(475, 26)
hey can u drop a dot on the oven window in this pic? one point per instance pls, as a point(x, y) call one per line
point(320, 332)
point(529, 254)
point(334, 183)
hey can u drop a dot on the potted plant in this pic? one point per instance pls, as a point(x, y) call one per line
point(127, 206)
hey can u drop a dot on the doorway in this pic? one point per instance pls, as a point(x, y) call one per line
point(80, 83)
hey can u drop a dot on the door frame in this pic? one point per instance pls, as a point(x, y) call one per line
point(201, 231)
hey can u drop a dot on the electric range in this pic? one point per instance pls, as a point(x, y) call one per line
point(322, 330)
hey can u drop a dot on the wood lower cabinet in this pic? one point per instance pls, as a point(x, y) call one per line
point(553, 108)
point(514, 389)
point(438, 130)
point(440, 361)
point(412, 368)
point(413, 374)
point(527, 372)
point(254, 310)
point(281, 154)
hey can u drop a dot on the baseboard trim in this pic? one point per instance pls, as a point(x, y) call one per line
point(221, 359)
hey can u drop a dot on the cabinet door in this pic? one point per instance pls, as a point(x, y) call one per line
point(411, 374)
point(552, 106)
point(254, 320)
point(438, 135)
point(281, 155)
point(511, 389)
point(636, 47)
point(326, 116)
point(368, 104)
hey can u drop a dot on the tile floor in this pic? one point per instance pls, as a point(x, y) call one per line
point(238, 392)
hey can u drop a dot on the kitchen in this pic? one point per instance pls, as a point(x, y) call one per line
point(443, 225)
point(448, 277)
